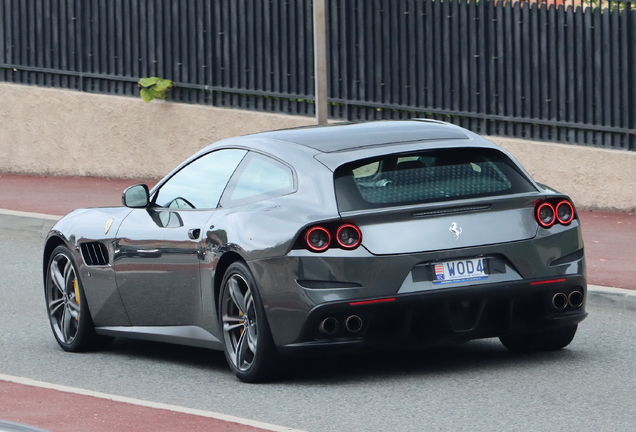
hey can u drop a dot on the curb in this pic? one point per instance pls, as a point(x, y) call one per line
point(617, 298)
point(37, 223)
point(41, 224)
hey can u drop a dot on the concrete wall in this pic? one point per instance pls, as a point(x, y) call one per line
point(61, 132)
point(596, 179)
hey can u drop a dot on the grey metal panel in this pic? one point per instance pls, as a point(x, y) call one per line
point(157, 266)
point(288, 303)
point(100, 287)
point(183, 335)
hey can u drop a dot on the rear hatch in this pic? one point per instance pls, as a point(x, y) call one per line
point(436, 199)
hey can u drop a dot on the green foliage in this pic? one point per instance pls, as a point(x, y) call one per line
point(154, 87)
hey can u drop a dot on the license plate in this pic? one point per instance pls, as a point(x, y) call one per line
point(459, 271)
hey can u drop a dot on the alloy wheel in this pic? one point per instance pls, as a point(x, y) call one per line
point(63, 299)
point(240, 327)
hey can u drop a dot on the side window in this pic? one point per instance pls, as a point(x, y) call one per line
point(199, 184)
point(258, 178)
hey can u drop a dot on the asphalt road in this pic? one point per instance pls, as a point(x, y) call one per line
point(477, 386)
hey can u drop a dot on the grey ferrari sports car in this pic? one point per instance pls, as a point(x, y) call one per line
point(324, 240)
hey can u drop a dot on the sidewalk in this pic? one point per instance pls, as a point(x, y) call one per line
point(610, 238)
point(57, 408)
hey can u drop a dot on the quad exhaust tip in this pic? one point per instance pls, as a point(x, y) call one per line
point(575, 299)
point(329, 326)
point(353, 323)
point(559, 301)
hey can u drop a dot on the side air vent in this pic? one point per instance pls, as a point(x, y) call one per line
point(94, 253)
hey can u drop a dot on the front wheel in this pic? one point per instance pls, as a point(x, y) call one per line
point(548, 340)
point(66, 304)
point(248, 343)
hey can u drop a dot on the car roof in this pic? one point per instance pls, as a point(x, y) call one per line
point(339, 137)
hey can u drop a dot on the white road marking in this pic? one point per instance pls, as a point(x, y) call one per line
point(30, 215)
point(148, 404)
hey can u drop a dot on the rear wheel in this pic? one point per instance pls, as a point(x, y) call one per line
point(68, 312)
point(548, 340)
point(249, 347)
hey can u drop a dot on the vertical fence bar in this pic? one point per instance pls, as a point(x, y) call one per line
point(454, 98)
point(411, 55)
point(503, 83)
point(167, 37)
point(615, 68)
point(597, 90)
point(4, 31)
point(606, 73)
point(333, 63)
point(111, 32)
point(267, 53)
point(421, 55)
point(483, 46)
point(570, 46)
point(625, 107)
point(237, 47)
point(51, 34)
point(4, 7)
point(632, 66)
point(515, 62)
point(401, 76)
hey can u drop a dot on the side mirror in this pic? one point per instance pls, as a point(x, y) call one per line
point(136, 196)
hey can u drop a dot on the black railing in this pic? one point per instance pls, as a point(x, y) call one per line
point(547, 71)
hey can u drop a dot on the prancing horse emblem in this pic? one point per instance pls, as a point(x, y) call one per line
point(456, 231)
point(108, 225)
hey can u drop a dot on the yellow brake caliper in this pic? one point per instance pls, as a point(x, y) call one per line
point(77, 298)
point(242, 328)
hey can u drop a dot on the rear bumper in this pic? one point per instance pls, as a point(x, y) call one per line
point(441, 316)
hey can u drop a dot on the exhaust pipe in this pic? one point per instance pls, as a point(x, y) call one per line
point(354, 323)
point(575, 299)
point(328, 326)
point(559, 301)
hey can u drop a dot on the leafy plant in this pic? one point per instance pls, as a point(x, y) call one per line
point(154, 87)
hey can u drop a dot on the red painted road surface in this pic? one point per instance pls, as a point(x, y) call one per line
point(60, 195)
point(57, 411)
point(610, 238)
point(610, 248)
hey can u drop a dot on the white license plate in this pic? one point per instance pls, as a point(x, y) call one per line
point(459, 271)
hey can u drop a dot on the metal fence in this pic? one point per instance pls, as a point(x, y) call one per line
point(546, 71)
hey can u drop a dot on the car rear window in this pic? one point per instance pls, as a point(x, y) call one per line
point(427, 177)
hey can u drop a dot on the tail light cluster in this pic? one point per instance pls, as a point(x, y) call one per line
point(319, 238)
point(550, 212)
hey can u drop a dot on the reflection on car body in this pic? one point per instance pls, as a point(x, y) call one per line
point(321, 240)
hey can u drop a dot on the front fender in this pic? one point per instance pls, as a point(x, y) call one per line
point(98, 225)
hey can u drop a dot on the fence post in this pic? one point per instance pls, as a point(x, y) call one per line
point(320, 62)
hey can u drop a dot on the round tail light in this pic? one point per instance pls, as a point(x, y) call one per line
point(349, 236)
point(545, 215)
point(564, 212)
point(318, 239)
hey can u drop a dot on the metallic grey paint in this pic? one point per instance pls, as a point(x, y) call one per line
point(161, 283)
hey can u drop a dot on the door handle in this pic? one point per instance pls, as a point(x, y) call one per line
point(194, 233)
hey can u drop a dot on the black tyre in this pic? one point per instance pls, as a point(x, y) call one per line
point(66, 305)
point(248, 343)
point(548, 340)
